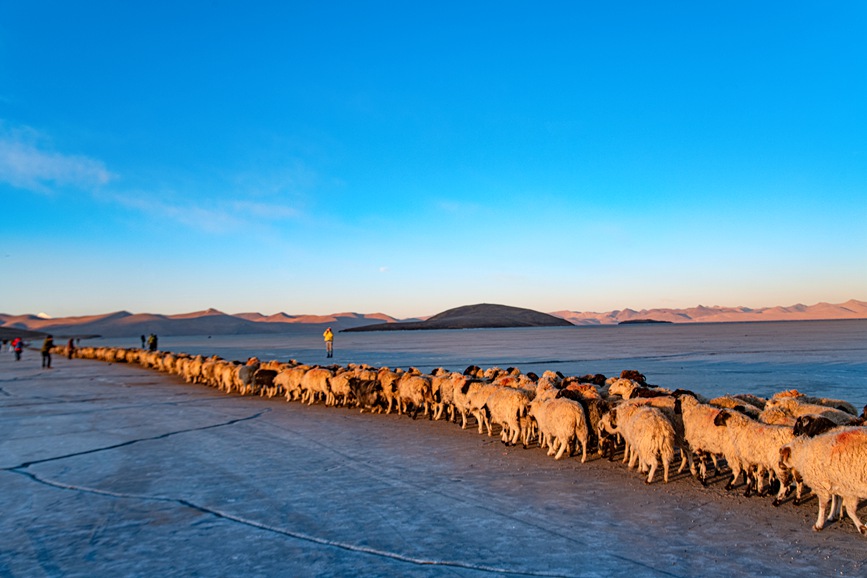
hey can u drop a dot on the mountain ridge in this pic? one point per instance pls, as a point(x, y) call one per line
point(215, 322)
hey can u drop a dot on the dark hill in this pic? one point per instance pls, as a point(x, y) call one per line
point(484, 315)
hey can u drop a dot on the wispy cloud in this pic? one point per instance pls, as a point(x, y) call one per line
point(26, 162)
point(219, 216)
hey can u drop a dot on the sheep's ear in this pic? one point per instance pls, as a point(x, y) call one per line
point(798, 429)
point(721, 418)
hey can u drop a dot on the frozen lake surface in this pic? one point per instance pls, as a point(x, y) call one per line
point(823, 358)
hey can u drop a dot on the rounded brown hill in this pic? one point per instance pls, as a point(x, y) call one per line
point(483, 315)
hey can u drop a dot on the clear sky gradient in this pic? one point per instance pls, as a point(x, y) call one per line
point(410, 157)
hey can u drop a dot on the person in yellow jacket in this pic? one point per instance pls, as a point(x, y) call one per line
point(329, 342)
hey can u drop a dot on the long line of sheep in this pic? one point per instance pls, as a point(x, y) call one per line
point(788, 441)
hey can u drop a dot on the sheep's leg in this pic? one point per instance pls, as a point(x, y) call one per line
point(439, 412)
point(516, 435)
point(834, 513)
point(823, 498)
point(785, 489)
point(761, 473)
point(653, 465)
point(715, 459)
point(552, 446)
point(665, 465)
point(633, 457)
point(851, 504)
point(565, 445)
point(583, 451)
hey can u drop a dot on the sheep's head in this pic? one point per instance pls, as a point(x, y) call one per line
point(812, 425)
point(721, 418)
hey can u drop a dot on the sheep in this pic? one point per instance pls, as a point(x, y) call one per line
point(388, 383)
point(289, 380)
point(366, 393)
point(263, 382)
point(794, 407)
point(340, 388)
point(648, 434)
point(813, 425)
point(560, 421)
point(700, 431)
point(506, 406)
point(737, 404)
point(751, 399)
point(622, 387)
point(315, 383)
point(756, 446)
point(634, 375)
point(838, 404)
point(666, 404)
point(831, 464)
point(244, 376)
point(469, 397)
point(442, 386)
point(414, 391)
point(776, 416)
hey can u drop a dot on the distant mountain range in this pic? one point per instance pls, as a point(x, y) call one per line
point(213, 322)
point(208, 322)
point(851, 309)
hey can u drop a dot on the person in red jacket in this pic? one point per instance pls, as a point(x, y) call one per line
point(17, 347)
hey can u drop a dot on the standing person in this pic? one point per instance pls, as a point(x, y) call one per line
point(329, 342)
point(152, 342)
point(46, 352)
point(142, 341)
point(17, 347)
point(70, 348)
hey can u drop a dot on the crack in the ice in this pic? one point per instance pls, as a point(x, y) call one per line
point(131, 442)
point(373, 471)
point(355, 548)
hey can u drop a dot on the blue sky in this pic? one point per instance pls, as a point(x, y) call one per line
point(410, 157)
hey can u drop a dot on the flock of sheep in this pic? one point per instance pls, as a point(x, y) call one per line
point(788, 441)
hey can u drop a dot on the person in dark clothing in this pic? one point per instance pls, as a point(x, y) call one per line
point(142, 341)
point(152, 342)
point(46, 352)
point(70, 348)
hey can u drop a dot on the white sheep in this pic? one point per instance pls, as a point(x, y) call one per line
point(506, 406)
point(648, 433)
point(414, 391)
point(560, 421)
point(833, 463)
point(756, 448)
point(314, 383)
point(795, 408)
point(700, 432)
point(840, 404)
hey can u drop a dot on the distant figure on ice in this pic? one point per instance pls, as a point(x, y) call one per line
point(142, 341)
point(46, 352)
point(70, 348)
point(17, 347)
point(329, 342)
point(152, 342)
